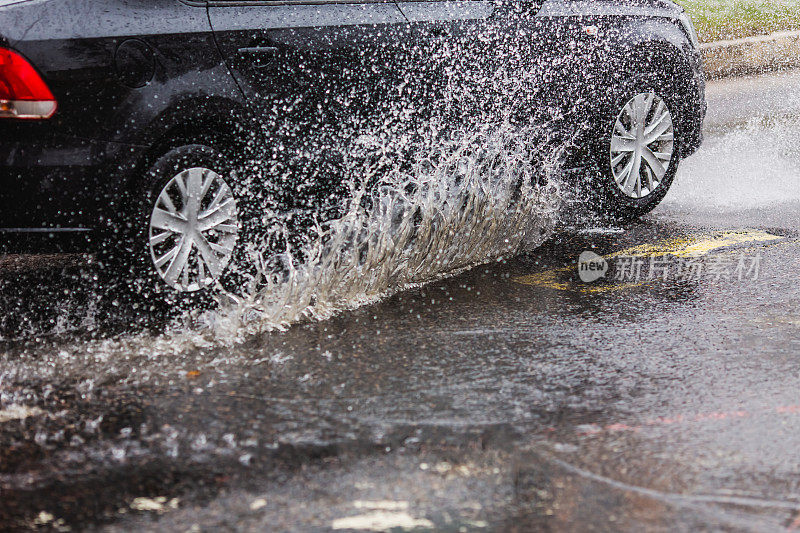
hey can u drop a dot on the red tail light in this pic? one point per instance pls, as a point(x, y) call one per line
point(23, 93)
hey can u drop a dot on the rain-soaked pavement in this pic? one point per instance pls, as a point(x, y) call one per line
point(511, 397)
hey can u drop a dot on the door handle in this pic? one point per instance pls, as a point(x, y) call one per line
point(259, 56)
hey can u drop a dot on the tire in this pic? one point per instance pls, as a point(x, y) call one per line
point(184, 231)
point(606, 194)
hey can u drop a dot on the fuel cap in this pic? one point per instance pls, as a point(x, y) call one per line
point(134, 63)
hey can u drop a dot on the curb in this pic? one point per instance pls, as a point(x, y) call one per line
point(751, 55)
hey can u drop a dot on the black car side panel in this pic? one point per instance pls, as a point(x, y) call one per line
point(324, 82)
point(321, 79)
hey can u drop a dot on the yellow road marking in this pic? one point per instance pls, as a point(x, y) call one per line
point(697, 245)
point(691, 246)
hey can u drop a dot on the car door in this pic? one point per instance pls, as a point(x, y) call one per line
point(450, 59)
point(321, 79)
point(490, 61)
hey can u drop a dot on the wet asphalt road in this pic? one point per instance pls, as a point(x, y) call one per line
point(511, 397)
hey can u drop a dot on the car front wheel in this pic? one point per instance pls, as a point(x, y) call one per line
point(638, 151)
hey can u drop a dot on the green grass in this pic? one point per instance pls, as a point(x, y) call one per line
point(730, 19)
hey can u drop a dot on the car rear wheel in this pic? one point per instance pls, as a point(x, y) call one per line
point(186, 231)
point(193, 229)
point(637, 153)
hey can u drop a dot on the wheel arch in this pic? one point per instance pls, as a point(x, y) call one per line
point(645, 48)
point(219, 123)
point(659, 46)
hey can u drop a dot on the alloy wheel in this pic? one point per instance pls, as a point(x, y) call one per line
point(642, 145)
point(193, 230)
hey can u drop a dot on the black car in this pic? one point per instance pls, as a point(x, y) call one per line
point(144, 120)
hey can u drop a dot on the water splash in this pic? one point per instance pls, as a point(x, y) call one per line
point(752, 165)
point(478, 197)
